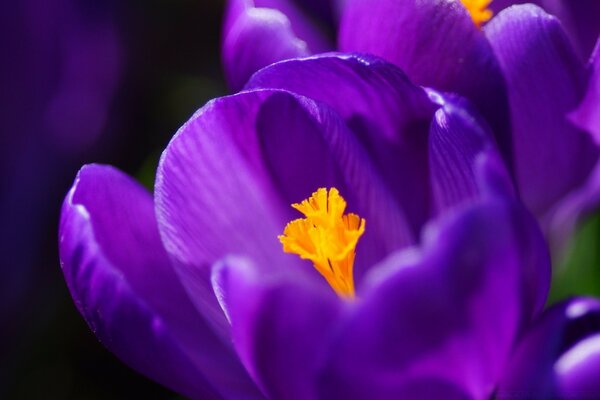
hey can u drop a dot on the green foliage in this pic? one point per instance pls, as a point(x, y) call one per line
point(579, 272)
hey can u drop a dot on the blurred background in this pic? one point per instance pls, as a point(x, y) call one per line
point(83, 81)
point(110, 82)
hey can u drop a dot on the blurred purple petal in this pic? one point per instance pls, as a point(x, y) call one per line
point(587, 114)
point(280, 328)
point(447, 312)
point(437, 45)
point(561, 221)
point(461, 146)
point(260, 32)
point(498, 5)
point(579, 368)
point(545, 363)
point(388, 114)
point(61, 65)
point(545, 81)
point(122, 283)
point(233, 170)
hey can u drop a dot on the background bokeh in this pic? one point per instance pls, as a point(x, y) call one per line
point(110, 82)
point(83, 81)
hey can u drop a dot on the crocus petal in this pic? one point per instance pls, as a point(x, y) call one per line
point(259, 37)
point(498, 5)
point(121, 280)
point(460, 147)
point(579, 368)
point(280, 327)
point(233, 170)
point(260, 32)
point(587, 115)
point(388, 114)
point(548, 359)
point(561, 221)
point(545, 81)
point(437, 45)
point(580, 19)
point(447, 312)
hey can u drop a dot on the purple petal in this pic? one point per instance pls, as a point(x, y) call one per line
point(460, 147)
point(498, 5)
point(280, 327)
point(226, 181)
point(580, 19)
point(587, 115)
point(545, 81)
point(260, 32)
point(561, 221)
point(579, 368)
point(447, 312)
point(388, 114)
point(437, 45)
point(122, 283)
point(546, 361)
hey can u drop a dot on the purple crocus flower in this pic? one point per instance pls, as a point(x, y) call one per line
point(192, 288)
point(520, 71)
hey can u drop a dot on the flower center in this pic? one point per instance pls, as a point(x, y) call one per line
point(327, 237)
point(479, 10)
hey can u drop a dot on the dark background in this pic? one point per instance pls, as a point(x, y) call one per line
point(169, 57)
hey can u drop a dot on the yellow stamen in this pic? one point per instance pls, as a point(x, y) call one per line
point(327, 237)
point(479, 10)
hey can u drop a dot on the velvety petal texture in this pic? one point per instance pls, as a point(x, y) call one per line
point(280, 327)
point(122, 283)
point(560, 356)
point(545, 81)
point(259, 32)
point(437, 44)
point(387, 113)
point(441, 320)
point(233, 170)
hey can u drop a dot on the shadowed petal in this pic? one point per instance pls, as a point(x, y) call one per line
point(560, 222)
point(226, 181)
point(548, 363)
point(122, 283)
point(461, 146)
point(498, 5)
point(545, 81)
point(447, 312)
point(580, 19)
point(587, 115)
point(437, 45)
point(562, 219)
point(260, 32)
point(280, 327)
